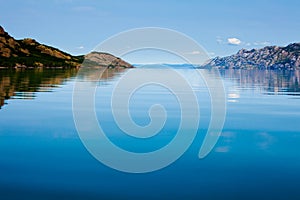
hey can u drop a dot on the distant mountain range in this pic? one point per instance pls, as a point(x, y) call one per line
point(28, 53)
point(270, 57)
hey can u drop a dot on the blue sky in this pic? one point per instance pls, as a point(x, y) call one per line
point(221, 27)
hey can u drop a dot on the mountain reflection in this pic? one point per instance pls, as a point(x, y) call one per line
point(23, 84)
point(272, 82)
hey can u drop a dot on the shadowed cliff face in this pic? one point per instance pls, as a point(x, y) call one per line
point(271, 57)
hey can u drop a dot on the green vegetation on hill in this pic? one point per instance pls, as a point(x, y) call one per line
point(28, 53)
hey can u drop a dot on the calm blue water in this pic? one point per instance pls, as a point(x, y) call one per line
point(256, 157)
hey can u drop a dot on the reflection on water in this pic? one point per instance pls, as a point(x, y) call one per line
point(23, 84)
point(256, 157)
point(271, 82)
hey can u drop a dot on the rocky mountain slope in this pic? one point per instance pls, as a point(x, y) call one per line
point(270, 57)
point(28, 53)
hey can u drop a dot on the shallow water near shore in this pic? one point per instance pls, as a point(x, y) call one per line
point(257, 155)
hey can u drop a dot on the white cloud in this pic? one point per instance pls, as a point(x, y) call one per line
point(194, 53)
point(219, 40)
point(80, 47)
point(265, 43)
point(211, 53)
point(234, 41)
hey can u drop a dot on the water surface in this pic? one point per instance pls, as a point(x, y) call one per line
point(256, 157)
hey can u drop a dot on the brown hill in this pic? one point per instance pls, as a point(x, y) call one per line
point(28, 53)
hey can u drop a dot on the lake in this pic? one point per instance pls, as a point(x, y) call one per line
point(257, 155)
